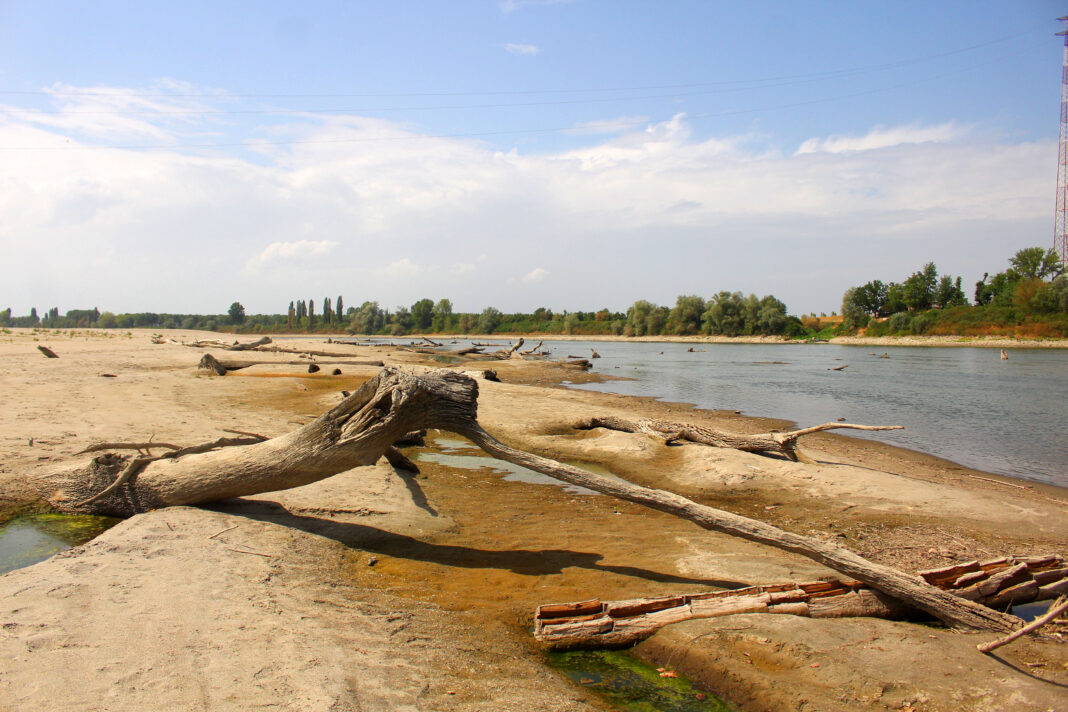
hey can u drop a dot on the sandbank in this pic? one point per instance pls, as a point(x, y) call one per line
point(368, 591)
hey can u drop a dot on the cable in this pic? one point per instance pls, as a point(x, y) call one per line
point(774, 81)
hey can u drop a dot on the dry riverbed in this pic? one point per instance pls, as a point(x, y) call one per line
point(375, 591)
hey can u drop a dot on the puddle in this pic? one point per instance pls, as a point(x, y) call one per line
point(450, 457)
point(1031, 611)
point(632, 685)
point(25, 541)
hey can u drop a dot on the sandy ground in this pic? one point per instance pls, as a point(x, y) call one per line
point(369, 591)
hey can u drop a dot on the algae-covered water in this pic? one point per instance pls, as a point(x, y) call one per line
point(27, 540)
point(632, 685)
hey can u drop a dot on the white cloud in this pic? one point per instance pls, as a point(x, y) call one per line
point(535, 275)
point(882, 137)
point(523, 49)
point(513, 5)
point(287, 251)
point(659, 211)
point(607, 126)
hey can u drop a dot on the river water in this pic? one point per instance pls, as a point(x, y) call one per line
point(963, 404)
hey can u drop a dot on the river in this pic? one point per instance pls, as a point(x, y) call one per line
point(962, 404)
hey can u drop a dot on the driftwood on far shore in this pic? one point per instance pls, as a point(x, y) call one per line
point(363, 427)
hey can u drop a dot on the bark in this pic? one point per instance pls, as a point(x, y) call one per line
point(784, 444)
point(221, 368)
point(215, 343)
point(364, 426)
point(596, 624)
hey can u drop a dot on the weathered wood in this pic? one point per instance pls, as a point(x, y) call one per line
point(597, 624)
point(49, 353)
point(594, 624)
point(1058, 608)
point(210, 363)
point(360, 429)
point(235, 346)
point(784, 444)
point(532, 351)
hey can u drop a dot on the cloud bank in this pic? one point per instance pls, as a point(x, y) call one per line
point(372, 209)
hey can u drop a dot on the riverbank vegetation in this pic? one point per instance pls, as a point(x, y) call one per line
point(726, 313)
point(1027, 300)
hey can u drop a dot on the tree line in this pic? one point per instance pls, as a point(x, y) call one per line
point(1030, 298)
point(727, 313)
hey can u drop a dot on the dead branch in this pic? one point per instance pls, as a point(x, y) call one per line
point(49, 353)
point(533, 350)
point(1059, 606)
point(784, 444)
point(235, 346)
point(363, 427)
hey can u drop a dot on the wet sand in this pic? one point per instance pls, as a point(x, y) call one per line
point(286, 610)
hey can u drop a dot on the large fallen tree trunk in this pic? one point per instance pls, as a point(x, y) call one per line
point(364, 426)
point(784, 443)
point(601, 624)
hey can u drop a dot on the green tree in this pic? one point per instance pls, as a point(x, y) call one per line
point(311, 313)
point(949, 293)
point(488, 320)
point(339, 309)
point(685, 318)
point(1036, 263)
point(919, 288)
point(638, 316)
point(328, 311)
point(368, 319)
point(422, 314)
point(237, 313)
point(442, 317)
point(771, 318)
point(400, 322)
point(724, 314)
point(854, 309)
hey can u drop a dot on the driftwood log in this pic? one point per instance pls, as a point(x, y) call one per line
point(363, 428)
point(601, 624)
point(49, 353)
point(215, 343)
point(221, 368)
point(784, 443)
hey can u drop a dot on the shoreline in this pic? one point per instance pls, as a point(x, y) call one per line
point(437, 576)
point(993, 342)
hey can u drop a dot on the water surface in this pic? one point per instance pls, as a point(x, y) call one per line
point(962, 403)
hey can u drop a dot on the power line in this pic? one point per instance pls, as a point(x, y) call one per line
point(254, 143)
point(754, 83)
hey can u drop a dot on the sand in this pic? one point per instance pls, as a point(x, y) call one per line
point(369, 591)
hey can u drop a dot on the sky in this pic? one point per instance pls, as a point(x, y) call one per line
point(568, 154)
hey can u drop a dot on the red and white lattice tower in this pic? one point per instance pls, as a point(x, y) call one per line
point(1060, 231)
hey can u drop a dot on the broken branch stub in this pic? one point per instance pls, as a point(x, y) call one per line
point(364, 426)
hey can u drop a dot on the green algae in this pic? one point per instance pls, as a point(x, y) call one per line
point(30, 539)
point(632, 685)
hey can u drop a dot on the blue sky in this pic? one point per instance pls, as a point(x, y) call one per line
point(178, 156)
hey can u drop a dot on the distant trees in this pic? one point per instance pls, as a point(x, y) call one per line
point(488, 320)
point(237, 313)
point(1033, 285)
point(442, 316)
point(1027, 284)
point(422, 315)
